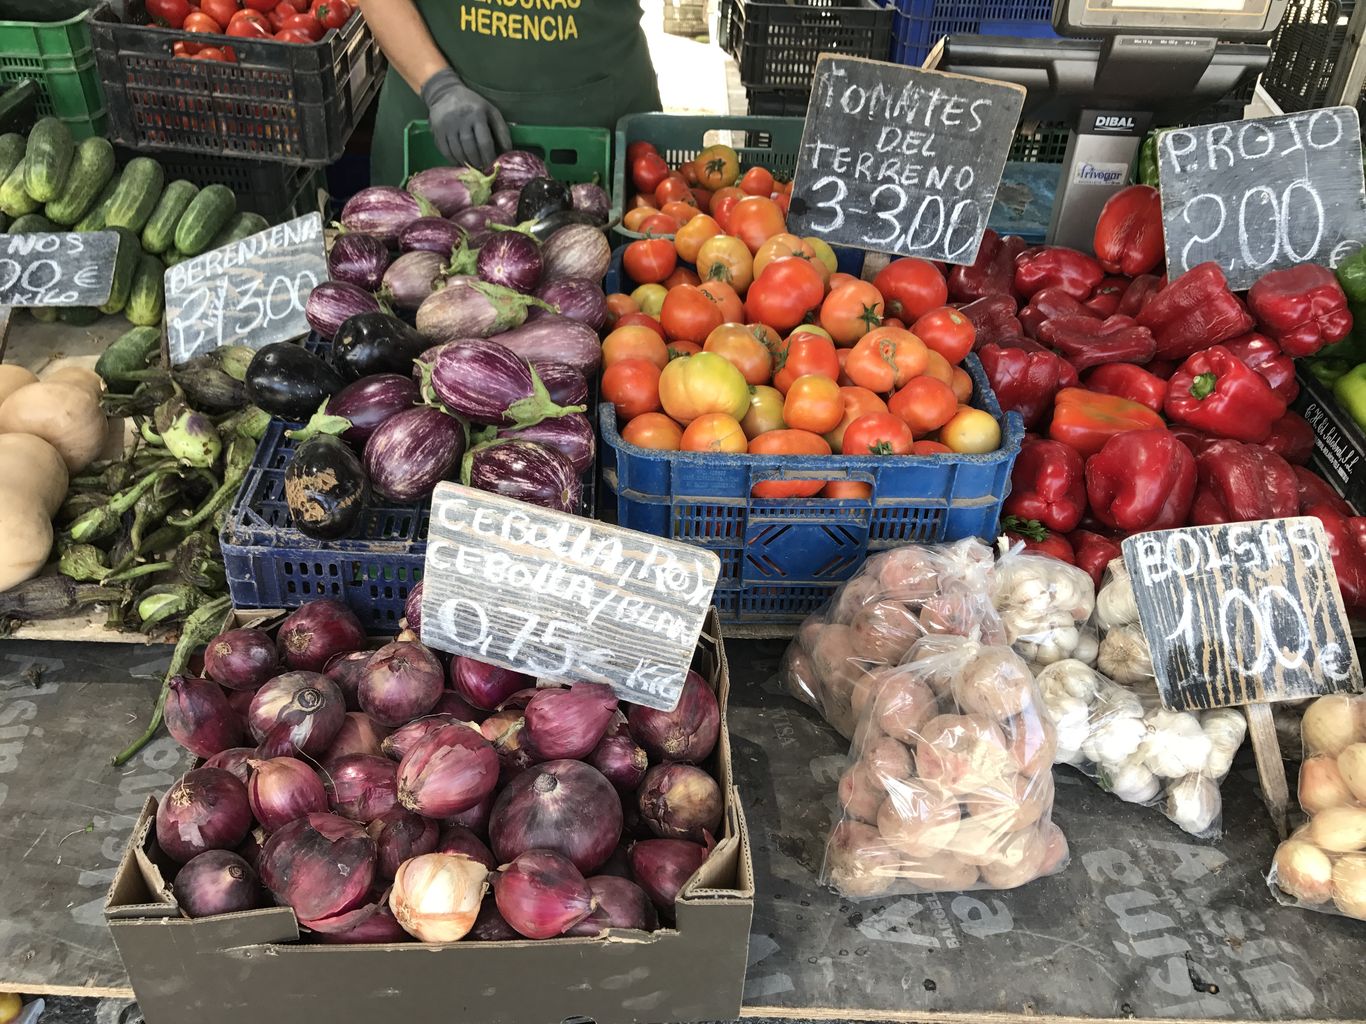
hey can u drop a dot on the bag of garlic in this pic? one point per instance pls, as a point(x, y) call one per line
point(1045, 606)
point(950, 785)
point(1123, 655)
point(1322, 866)
point(873, 620)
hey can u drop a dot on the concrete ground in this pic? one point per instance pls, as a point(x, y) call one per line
point(695, 75)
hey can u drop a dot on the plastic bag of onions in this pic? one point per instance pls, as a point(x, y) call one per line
point(873, 620)
point(1322, 866)
point(950, 785)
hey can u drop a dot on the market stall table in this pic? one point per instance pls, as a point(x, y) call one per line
point(1145, 923)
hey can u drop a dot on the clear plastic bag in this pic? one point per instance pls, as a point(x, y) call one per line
point(1045, 607)
point(1322, 866)
point(950, 785)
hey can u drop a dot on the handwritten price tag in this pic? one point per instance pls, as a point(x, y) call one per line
point(65, 269)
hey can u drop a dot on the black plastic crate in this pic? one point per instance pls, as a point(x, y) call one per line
point(777, 102)
point(1041, 143)
point(285, 102)
point(1303, 52)
point(274, 190)
point(776, 44)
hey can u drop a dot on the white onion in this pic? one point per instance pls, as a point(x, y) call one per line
point(436, 896)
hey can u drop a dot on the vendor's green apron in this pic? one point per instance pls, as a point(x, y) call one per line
point(543, 62)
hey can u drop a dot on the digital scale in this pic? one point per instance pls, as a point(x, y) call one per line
point(1122, 64)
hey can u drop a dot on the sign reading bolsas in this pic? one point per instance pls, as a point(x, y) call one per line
point(250, 292)
point(61, 269)
point(562, 597)
point(901, 160)
point(1242, 613)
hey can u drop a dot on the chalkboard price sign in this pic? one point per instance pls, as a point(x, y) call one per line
point(1263, 194)
point(63, 269)
point(901, 160)
point(251, 292)
point(562, 597)
point(1242, 613)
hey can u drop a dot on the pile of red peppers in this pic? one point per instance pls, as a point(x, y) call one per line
point(1151, 403)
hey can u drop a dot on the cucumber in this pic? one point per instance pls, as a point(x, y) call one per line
point(94, 217)
point(44, 314)
point(173, 256)
point(80, 316)
point(146, 299)
point(125, 266)
point(159, 234)
point(129, 353)
point(47, 160)
point(207, 215)
point(31, 224)
point(12, 146)
point(244, 225)
point(136, 197)
point(14, 200)
point(91, 169)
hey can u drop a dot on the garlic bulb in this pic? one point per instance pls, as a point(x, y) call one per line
point(1225, 729)
point(1115, 604)
point(1131, 782)
point(1124, 655)
point(1071, 722)
point(436, 896)
point(1176, 745)
point(1193, 803)
point(1068, 677)
point(1114, 740)
point(1088, 647)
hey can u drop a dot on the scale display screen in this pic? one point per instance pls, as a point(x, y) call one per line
point(1225, 19)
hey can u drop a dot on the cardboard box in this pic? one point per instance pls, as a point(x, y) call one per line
point(250, 967)
point(1339, 445)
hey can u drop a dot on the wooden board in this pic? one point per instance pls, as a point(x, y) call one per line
point(250, 292)
point(1264, 193)
point(65, 269)
point(563, 597)
point(901, 160)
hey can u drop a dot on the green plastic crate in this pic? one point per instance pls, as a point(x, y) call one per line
point(572, 154)
point(59, 56)
point(771, 141)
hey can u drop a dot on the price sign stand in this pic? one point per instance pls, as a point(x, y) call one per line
point(1244, 614)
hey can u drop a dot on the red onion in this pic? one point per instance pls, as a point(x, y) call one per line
point(688, 732)
point(305, 706)
point(240, 702)
point(206, 809)
point(680, 801)
point(199, 717)
point(399, 835)
point(569, 723)
point(320, 865)
point(401, 681)
point(485, 686)
point(345, 670)
point(621, 904)
point(359, 734)
point(522, 698)
point(476, 819)
point(361, 786)
point(452, 704)
point(565, 806)
point(240, 659)
point(506, 730)
point(412, 609)
point(397, 744)
point(315, 633)
point(216, 882)
point(618, 865)
point(489, 926)
point(541, 894)
point(460, 840)
point(282, 790)
point(449, 771)
point(233, 760)
point(662, 866)
point(621, 762)
point(250, 848)
point(371, 922)
point(436, 896)
point(279, 742)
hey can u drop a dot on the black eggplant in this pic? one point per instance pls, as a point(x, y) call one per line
point(542, 197)
point(325, 484)
point(208, 387)
point(371, 343)
point(544, 228)
point(288, 382)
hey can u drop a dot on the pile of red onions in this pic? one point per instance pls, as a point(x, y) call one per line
point(396, 794)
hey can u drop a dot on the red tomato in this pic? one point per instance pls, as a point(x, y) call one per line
point(618, 306)
point(801, 355)
point(878, 433)
point(641, 319)
point(198, 21)
point(813, 403)
point(689, 314)
point(181, 48)
point(732, 309)
point(674, 188)
point(702, 198)
point(261, 5)
point(170, 13)
point(220, 11)
point(722, 203)
point(212, 53)
point(654, 430)
point(249, 25)
point(757, 181)
point(946, 331)
point(851, 311)
point(650, 260)
point(681, 275)
point(632, 385)
point(657, 224)
point(640, 147)
point(911, 287)
point(788, 442)
point(784, 293)
point(930, 448)
point(279, 14)
point(634, 342)
point(754, 220)
point(647, 171)
point(294, 35)
point(679, 349)
point(331, 13)
point(253, 16)
point(714, 432)
point(925, 404)
point(307, 23)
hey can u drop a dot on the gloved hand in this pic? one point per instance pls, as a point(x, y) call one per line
point(468, 128)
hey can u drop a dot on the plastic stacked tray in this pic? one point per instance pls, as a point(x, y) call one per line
point(919, 24)
point(52, 48)
point(572, 154)
point(276, 191)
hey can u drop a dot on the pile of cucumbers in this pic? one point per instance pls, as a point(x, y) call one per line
point(50, 182)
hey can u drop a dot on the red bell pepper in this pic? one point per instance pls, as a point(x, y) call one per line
point(1140, 290)
point(1266, 357)
point(1093, 552)
point(993, 318)
point(1128, 237)
point(1141, 480)
point(1054, 266)
point(1196, 440)
point(992, 273)
point(1051, 304)
point(1194, 312)
point(1348, 560)
point(1314, 490)
point(1025, 377)
point(1085, 420)
point(1292, 438)
point(1085, 342)
point(1163, 368)
point(1038, 538)
point(1125, 380)
point(1241, 482)
point(1302, 307)
point(1048, 485)
point(1104, 301)
point(1216, 392)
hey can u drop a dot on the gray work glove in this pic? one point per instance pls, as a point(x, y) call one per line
point(468, 128)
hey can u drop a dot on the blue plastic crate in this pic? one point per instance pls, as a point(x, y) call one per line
point(919, 24)
point(781, 559)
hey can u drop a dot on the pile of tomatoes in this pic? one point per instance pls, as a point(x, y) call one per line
point(285, 21)
point(740, 337)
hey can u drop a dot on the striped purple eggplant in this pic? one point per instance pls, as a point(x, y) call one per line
point(516, 167)
point(527, 471)
point(511, 259)
point(487, 383)
point(430, 234)
point(383, 211)
point(370, 401)
point(332, 303)
point(413, 451)
point(470, 308)
point(358, 259)
point(572, 436)
point(413, 278)
point(567, 386)
point(592, 200)
point(451, 189)
point(575, 297)
point(555, 339)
